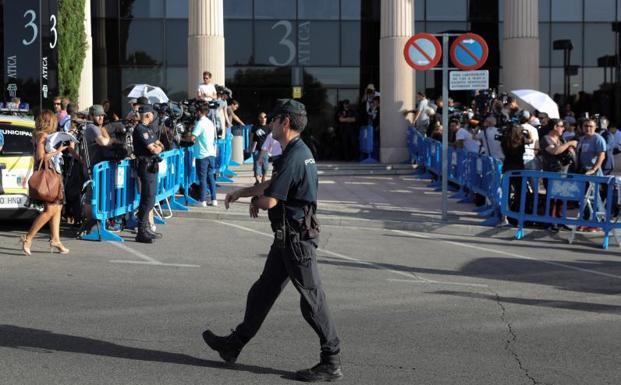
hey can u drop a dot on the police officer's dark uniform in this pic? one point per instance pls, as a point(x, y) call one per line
point(147, 168)
point(291, 257)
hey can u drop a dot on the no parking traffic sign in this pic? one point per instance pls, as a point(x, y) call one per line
point(422, 51)
point(469, 51)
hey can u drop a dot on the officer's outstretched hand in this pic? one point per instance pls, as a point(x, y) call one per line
point(254, 211)
point(230, 198)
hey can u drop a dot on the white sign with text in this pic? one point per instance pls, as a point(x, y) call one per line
point(469, 80)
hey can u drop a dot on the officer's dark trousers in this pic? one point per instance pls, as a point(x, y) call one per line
point(148, 185)
point(296, 262)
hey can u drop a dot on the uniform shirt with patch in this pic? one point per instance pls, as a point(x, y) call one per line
point(295, 183)
point(142, 138)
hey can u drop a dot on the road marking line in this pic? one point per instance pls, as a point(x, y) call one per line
point(332, 253)
point(146, 259)
point(438, 282)
point(152, 264)
point(557, 264)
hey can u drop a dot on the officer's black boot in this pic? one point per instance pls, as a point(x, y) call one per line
point(328, 369)
point(153, 234)
point(228, 347)
point(143, 236)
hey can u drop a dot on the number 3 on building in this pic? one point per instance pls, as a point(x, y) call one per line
point(286, 41)
point(31, 24)
point(35, 30)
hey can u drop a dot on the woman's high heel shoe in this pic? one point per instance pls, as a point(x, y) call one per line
point(26, 243)
point(59, 247)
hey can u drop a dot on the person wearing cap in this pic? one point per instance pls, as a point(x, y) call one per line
point(291, 200)
point(146, 150)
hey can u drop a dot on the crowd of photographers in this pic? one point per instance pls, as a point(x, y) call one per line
point(526, 140)
point(141, 135)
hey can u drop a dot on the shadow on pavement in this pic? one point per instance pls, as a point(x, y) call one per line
point(27, 339)
point(540, 272)
point(569, 305)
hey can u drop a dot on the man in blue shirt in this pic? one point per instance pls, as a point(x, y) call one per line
point(204, 138)
point(591, 149)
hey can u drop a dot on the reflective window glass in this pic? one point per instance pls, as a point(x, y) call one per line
point(141, 8)
point(419, 10)
point(275, 42)
point(545, 49)
point(104, 9)
point(563, 31)
point(350, 43)
point(238, 9)
point(544, 10)
point(349, 94)
point(176, 83)
point(142, 42)
point(105, 31)
point(593, 79)
point(420, 81)
point(447, 10)
point(601, 41)
point(350, 9)
point(274, 9)
point(238, 37)
point(318, 43)
point(599, 10)
point(176, 42)
point(438, 26)
point(177, 9)
point(335, 76)
point(318, 9)
point(566, 10)
point(131, 76)
point(556, 82)
point(430, 81)
point(544, 80)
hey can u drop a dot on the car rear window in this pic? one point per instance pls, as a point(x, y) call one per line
point(17, 140)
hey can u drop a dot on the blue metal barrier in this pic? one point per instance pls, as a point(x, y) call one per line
point(115, 193)
point(246, 130)
point(188, 176)
point(581, 190)
point(366, 144)
point(223, 156)
point(168, 181)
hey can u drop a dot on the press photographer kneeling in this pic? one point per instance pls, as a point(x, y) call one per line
point(147, 148)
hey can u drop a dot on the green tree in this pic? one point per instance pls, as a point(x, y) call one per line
point(71, 46)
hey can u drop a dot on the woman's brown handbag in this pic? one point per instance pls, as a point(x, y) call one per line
point(45, 184)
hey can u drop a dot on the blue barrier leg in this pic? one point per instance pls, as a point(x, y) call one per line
point(234, 163)
point(369, 160)
point(224, 179)
point(492, 221)
point(519, 234)
point(605, 242)
point(175, 205)
point(159, 221)
point(99, 233)
point(249, 160)
point(229, 173)
point(189, 201)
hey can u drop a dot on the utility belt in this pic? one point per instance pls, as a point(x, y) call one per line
point(150, 163)
point(303, 229)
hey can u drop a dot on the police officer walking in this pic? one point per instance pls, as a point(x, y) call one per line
point(146, 150)
point(291, 200)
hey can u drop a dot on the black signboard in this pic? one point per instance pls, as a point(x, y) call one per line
point(30, 51)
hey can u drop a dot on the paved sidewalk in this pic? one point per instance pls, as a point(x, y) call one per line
point(381, 201)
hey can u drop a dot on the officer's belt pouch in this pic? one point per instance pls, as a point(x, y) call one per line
point(299, 251)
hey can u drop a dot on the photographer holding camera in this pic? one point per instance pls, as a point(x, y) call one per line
point(146, 149)
point(488, 136)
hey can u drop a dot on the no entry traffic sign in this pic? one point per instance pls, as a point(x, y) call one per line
point(469, 51)
point(422, 51)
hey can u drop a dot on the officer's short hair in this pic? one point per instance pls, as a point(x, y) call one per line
point(293, 109)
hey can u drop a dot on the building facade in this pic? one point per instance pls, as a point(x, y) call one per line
point(329, 49)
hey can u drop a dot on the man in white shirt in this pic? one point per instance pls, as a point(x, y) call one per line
point(464, 139)
point(487, 137)
point(530, 150)
point(206, 91)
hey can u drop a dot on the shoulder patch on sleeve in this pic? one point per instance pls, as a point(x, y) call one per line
point(145, 135)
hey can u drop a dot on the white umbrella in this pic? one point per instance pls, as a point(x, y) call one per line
point(539, 101)
point(53, 139)
point(153, 93)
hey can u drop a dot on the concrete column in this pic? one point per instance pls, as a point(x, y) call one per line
point(205, 42)
point(85, 93)
point(520, 49)
point(396, 79)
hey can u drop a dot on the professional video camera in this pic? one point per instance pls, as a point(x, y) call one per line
point(122, 131)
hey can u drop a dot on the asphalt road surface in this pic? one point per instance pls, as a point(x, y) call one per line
point(410, 307)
